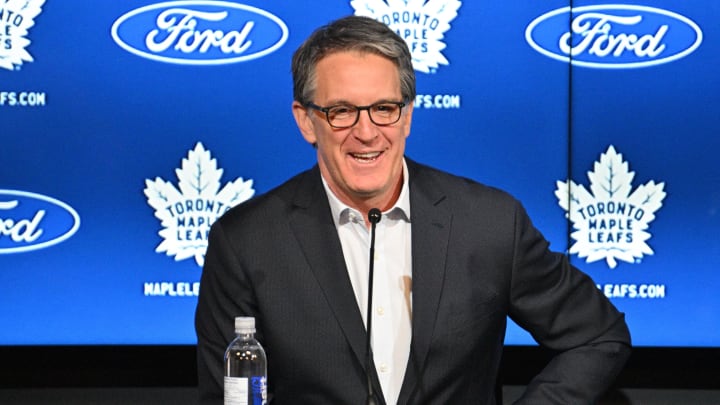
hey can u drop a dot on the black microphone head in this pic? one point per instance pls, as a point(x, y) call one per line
point(374, 215)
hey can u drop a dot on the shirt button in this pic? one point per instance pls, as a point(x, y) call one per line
point(381, 311)
point(383, 368)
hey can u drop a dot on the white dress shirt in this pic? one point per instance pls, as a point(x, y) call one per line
point(392, 281)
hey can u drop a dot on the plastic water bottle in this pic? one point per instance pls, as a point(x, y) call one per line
point(245, 380)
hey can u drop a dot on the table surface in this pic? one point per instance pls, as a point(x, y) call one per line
point(188, 395)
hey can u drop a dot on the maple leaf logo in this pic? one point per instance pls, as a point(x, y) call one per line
point(17, 18)
point(421, 23)
point(186, 214)
point(610, 222)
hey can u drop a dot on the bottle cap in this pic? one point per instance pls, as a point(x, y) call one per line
point(244, 324)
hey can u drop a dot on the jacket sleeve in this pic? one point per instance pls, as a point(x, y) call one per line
point(224, 294)
point(565, 312)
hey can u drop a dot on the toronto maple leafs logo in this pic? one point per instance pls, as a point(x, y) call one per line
point(421, 23)
point(186, 214)
point(16, 18)
point(611, 221)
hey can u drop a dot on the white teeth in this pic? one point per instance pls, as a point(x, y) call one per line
point(366, 156)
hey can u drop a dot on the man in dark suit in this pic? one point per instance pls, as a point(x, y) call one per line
point(456, 260)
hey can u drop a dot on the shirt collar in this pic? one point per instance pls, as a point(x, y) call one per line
point(342, 213)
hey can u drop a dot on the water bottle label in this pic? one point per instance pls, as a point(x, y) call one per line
point(259, 390)
point(236, 391)
point(245, 391)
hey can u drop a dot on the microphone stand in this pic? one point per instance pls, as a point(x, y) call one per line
point(374, 216)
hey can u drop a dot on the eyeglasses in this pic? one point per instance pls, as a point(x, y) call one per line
point(342, 116)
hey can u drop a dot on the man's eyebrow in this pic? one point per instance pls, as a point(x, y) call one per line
point(346, 102)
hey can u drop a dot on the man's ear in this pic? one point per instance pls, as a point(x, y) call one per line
point(408, 118)
point(304, 122)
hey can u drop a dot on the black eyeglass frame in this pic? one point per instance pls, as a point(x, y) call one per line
point(326, 110)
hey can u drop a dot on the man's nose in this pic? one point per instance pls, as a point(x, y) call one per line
point(365, 130)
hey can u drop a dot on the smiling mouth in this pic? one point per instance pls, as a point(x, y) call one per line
point(366, 157)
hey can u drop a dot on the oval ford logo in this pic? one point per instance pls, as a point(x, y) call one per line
point(30, 221)
point(613, 36)
point(199, 32)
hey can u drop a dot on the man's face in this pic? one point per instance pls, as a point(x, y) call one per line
point(362, 164)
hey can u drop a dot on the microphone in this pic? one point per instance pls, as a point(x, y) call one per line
point(374, 216)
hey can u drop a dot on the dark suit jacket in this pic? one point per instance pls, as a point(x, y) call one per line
point(476, 259)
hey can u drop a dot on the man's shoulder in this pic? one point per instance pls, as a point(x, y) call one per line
point(457, 187)
point(274, 203)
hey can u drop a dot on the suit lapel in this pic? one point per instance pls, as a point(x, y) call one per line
point(430, 234)
point(314, 228)
point(312, 223)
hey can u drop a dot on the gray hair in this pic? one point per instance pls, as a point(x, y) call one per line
point(353, 33)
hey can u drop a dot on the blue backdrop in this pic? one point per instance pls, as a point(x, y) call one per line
point(127, 127)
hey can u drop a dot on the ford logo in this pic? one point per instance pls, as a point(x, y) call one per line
point(613, 36)
point(30, 221)
point(199, 32)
